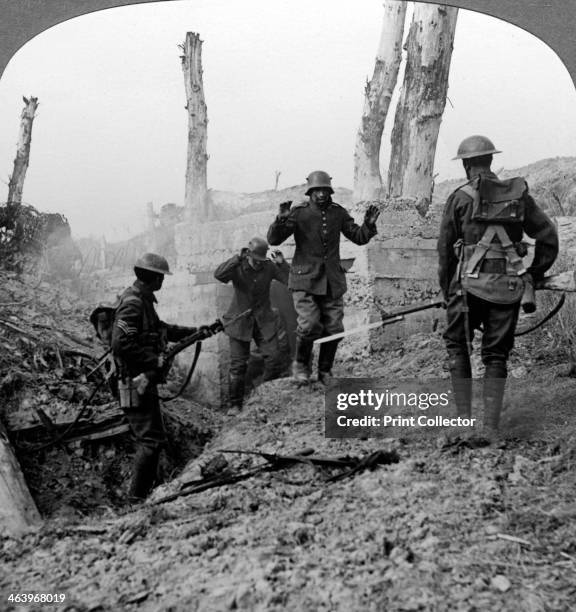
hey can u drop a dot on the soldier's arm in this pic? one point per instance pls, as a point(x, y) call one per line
point(358, 234)
point(447, 261)
point(282, 272)
point(282, 227)
point(226, 271)
point(540, 227)
point(175, 333)
point(125, 333)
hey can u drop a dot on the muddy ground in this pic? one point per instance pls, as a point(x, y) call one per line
point(446, 528)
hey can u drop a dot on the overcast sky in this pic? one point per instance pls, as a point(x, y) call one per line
point(284, 84)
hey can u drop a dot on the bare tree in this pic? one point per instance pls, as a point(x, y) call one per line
point(419, 113)
point(377, 97)
point(196, 190)
point(16, 183)
point(277, 174)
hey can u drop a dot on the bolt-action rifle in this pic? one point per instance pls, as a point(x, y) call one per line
point(196, 338)
point(202, 333)
point(386, 319)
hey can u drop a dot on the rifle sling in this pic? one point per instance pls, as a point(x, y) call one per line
point(188, 376)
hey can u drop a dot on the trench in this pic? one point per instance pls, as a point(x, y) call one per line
point(90, 478)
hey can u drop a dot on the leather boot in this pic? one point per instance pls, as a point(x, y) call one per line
point(144, 472)
point(461, 376)
point(494, 386)
point(235, 391)
point(301, 366)
point(326, 360)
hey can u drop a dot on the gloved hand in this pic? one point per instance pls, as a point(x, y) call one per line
point(284, 209)
point(371, 215)
point(244, 252)
point(277, 257)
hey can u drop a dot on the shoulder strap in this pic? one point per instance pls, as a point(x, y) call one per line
point(469, 190)
point(485, 244)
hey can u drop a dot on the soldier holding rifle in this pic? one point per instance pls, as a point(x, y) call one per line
point(481, 272)
point(138, 341)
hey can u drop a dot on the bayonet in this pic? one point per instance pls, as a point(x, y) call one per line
point(387, 319)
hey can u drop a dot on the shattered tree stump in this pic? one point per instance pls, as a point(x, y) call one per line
point(16, 184)
point(18, 511)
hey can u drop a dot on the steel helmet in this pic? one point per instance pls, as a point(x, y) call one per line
point(153, 262)
point(258, 248)
point(317, 179)
point(475, 146)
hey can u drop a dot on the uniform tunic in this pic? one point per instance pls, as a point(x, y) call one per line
point(138, 339)
point(251, 290)
point(316, 264)
point(497, 320)
point(317, 278)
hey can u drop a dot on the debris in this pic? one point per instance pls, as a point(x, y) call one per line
point(509, 538)
point(501, 583)
point(277, 462)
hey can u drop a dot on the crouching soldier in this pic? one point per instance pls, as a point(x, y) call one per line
point(481, 272)
point(138, 340)
point(317, 278)
point(251, 273)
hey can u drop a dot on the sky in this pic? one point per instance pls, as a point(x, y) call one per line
point(284, 84)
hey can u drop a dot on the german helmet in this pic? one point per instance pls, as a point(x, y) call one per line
point(319, 179)
point(258, 248)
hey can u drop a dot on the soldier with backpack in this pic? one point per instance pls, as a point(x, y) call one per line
point(138, 341)
point(481, 272)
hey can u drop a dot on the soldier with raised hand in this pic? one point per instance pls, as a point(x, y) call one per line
point(317, 278)
point(138, 341)
point(481, 272)
point(251, 274)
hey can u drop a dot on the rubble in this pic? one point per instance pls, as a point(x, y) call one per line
point(67, 431)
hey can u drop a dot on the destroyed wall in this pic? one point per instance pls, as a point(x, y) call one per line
point(194, 297)
point(396, 269)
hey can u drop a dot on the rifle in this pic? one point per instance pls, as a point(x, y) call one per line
point(199, 335)
point(196, 338)
point(387, 319)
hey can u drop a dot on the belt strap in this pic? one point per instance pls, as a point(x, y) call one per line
point(486, 249)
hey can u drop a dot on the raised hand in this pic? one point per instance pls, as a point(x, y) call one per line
point(277, 257)
point(371, 215)
point(284, 208)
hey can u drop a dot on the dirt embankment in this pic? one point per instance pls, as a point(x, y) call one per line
point(446, 528)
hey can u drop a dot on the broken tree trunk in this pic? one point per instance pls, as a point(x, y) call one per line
point(16, 184)
point(18, 511)
point(419, 113)
point(196, 191)
point(377, 97)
